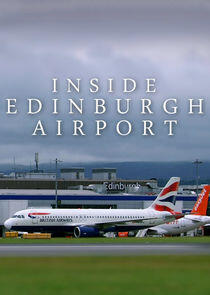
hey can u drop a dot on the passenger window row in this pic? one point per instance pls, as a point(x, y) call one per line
point(84, 216)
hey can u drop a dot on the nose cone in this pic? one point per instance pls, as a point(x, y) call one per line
point(8, 224)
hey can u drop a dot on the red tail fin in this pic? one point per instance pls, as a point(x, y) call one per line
point(166, 199)
point(200, 206)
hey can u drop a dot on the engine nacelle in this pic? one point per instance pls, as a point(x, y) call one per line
point(86, 231)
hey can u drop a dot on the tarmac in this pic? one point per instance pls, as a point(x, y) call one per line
point(104, 249)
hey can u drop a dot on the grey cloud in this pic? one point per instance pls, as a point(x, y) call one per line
point(162, 39)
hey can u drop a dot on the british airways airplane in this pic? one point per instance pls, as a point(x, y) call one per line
point(96, 222)
point(196, 218)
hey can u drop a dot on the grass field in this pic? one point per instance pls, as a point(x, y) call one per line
point(151, 275)
point(108, 240)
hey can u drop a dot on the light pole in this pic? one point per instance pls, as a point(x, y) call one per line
point(56, 181)
point(197, 162)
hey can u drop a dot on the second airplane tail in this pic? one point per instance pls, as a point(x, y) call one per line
point(200, 206)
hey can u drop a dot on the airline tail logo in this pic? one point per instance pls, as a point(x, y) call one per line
point(200, 206)
point(166, 199)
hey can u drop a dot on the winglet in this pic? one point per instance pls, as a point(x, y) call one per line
point(200, 206)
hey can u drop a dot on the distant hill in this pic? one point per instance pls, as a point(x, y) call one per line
point(134, 170)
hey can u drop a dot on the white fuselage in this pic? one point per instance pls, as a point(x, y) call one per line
point(40, 219)
point(182, 225)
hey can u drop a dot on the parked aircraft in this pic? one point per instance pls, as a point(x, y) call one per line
point(96, 222)
point(196, 218)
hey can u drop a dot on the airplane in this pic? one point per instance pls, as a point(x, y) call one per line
point(196, 218)
point(96, 222)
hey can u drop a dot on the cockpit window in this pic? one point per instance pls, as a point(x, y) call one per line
point(18, 216)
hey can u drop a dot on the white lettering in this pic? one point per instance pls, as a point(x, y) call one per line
point(31, 103)
point(119, 106)
point(170, 125)
point(199, 106)
point(70, 83)
point(147, 127)
point(126, 123)
point(39, 127)
point(73, 103)
point(11, 106)
point(100, 125)
point(151, 85)
point(127, 82)
point(100, 104)
point(78, 127)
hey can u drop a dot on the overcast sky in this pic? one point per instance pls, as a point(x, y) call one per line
point(166, 40)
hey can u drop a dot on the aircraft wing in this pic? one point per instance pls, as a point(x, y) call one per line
point(193, 218)
point(103, 224)
point(151, 231)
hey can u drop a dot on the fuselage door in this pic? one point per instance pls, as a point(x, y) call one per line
point(35, 220)
point(182, 221)
point(34, 217)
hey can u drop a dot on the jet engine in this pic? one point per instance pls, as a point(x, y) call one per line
point(86, 232)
